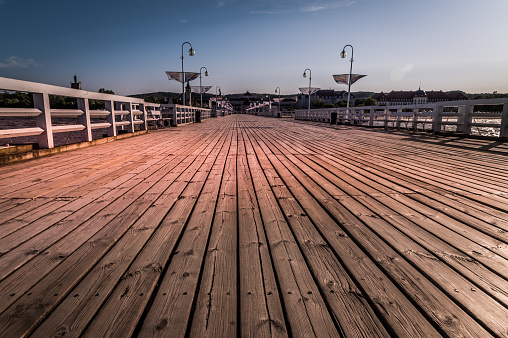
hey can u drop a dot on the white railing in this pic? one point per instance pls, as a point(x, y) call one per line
point(121, 114)
point(454, 116)
point(179, 114)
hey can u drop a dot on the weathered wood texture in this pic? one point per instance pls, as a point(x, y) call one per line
point(251, 226)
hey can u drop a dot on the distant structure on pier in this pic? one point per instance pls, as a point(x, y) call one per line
point(76, 84)
point(397, 98)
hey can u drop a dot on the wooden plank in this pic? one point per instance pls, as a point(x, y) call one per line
point(451, 229)
point(79, 262)
point(17, 209)
point(113, 268)
point(446, 250)
point(91, 212)
point(170, 312)
point(133, 292)
point(37, 187)
point(261, 312)
point(494, 217)
point(328, 231)
point(14, 224)
point(401, 315)
point(304, 306)
point(216, 301)
point(9, 203)
point(436, 306)
point(484, 307)
point(341, 293)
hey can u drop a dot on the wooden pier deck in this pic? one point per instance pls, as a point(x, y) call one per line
point(250, 226)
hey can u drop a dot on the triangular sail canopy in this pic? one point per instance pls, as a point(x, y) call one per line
point(344, 78)
point(200, 89)
point(305, 90)
point(177, 76)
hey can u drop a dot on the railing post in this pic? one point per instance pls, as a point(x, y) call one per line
point(144, 116)
point(461, 115)
point(415, 118)
point(130, 117)
point(399, 117)
point(438, 117)
point(468, 115)
point(371, 116)
point(43, 121)
point(175, 112)
point(84, 119)
point(503, 132)
point(111, 117)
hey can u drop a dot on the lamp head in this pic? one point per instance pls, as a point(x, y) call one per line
point(206, 73)
point(191, 52)
point(304, 74)
point(343, 54)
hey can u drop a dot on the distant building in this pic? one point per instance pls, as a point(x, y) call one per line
point(286, 103)
point(240, 102)
point(397, 98)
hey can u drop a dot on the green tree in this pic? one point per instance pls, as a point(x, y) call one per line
point(62, 102)
point(16, 100)
point(341, 104)
point(106, 91)
point(151, 99)
point(318, 103)
point(369, 101)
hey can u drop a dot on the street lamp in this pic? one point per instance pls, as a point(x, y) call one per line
point(343, 55)
point(310, 79)
point(279, 96)
point(191, 52)
point(200, 87)
point(216, 101)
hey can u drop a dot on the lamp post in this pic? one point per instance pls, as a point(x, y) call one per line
point(200, 87)
point(279, 96)
point(216, 101)
point(310, 79)
point(343, 55)
point(191, 52)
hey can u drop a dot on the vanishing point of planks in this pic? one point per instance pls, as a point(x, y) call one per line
point(251, 226)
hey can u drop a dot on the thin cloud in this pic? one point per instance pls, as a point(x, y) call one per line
point(284, 7)
point(326, 5)
point(220, 3)
point(400, 72)
point(272, 11)
point(17, 62)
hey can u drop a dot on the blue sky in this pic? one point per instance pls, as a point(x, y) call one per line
point(257, 45)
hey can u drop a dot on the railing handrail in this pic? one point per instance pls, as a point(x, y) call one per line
point(34, 87)
point(462, 118)
point(120, 112)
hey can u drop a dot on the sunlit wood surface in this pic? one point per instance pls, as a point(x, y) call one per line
point(251, 226)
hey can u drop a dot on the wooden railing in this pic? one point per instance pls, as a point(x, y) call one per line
point(119, 113)
point(179, 114)
point(463, 117)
